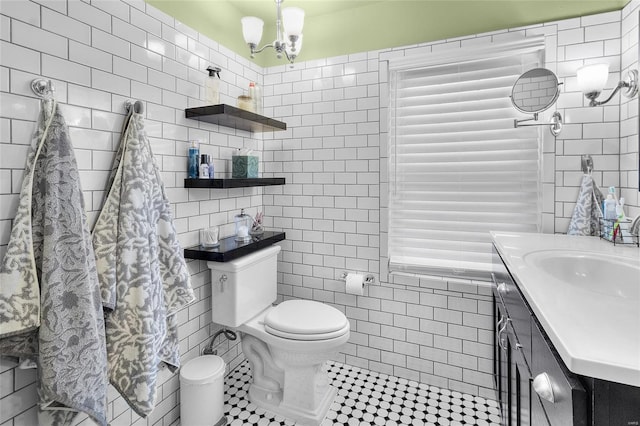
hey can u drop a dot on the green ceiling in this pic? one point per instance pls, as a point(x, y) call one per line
point(339, 27)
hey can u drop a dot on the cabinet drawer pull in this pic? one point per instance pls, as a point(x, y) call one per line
point(501, 341)
point(544, 387)
point(501, 287)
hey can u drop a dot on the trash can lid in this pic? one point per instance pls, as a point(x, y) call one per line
point(203, 369)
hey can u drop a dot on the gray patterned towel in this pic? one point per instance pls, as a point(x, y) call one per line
point(50, 306)
point(143, 276)
point(586, 213)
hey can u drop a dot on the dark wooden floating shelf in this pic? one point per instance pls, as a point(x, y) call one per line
point(229, 116)
point(232, 183)
point(230, 249)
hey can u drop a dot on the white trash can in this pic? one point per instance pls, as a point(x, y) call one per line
point(202, 392)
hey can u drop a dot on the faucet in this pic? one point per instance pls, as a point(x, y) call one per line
point(634, 229)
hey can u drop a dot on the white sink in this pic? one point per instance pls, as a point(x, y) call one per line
point(602, 274)
point(585, 292)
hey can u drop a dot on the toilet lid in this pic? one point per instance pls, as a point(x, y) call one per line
point(305, 320)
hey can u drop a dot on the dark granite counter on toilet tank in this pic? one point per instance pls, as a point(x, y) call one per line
point(230, 249)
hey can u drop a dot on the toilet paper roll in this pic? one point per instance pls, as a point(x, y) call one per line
point(355, 284)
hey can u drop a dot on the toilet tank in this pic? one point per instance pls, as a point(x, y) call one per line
point(244, 287)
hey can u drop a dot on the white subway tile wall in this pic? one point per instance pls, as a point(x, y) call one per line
point(334, 208)
point(629, 139)
point(99, 53)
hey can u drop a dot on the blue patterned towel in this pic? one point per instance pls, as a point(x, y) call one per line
point(143, 276)
point(50, 307)
point(586, 213)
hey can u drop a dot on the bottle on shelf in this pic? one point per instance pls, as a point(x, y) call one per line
point(204, 166)
point(210, 161)
point(212, 86)
point(192, 167)
point(252, 95)
point(257, 98)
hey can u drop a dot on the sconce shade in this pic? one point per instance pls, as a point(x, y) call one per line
point(293, 20)
point(592, 78)
point(252, 29)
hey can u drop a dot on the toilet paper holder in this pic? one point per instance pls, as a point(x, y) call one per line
point(368, 279)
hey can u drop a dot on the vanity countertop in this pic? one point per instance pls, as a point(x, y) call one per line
point(594, 326)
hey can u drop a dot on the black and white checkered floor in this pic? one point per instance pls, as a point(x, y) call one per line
point(367, 398)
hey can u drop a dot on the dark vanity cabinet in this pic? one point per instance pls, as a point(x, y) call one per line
point(511, 372)
point(523, 353)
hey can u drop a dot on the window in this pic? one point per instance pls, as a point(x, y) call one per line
point(458, 167)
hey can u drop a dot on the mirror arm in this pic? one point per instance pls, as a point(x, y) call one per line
point(555, 126)
point(516, 122)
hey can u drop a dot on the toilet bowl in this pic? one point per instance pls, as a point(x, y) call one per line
point(287, 345)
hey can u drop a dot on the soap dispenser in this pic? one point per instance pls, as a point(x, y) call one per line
point(243, 225)
point(212, 86)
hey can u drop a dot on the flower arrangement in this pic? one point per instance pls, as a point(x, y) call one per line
point(257, 228)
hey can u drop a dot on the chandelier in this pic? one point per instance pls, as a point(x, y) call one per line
point(289, 23)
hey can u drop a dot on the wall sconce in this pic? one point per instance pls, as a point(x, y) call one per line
point(288, 40)
point(592, 79)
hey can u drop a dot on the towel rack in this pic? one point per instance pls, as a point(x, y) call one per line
point(43, 88)
point(138, 106)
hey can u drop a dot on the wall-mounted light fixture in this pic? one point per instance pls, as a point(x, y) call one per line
point(289, 23)
point(593, 78)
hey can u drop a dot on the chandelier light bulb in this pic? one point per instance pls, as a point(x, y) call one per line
point(293, 20)
point(252, 29)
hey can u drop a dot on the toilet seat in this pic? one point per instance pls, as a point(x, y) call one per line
point(305, 320)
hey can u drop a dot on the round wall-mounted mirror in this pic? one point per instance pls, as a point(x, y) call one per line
point(535, 91)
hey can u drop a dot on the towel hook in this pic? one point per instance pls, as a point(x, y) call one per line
point(42, 88)
point(587, 164)
point(138, 106)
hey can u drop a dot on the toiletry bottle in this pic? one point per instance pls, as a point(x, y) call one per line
point(192, 168)
point(212, 86)
point(257, 90)
point(620, 209)
point(609, 208)
point(252, 95)
point(210, 161)
point(204, 167)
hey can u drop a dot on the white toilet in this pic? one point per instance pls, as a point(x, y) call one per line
point(287, 345)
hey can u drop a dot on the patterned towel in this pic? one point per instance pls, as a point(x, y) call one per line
point(50, 307)
point(143, 276)
point(586, 213)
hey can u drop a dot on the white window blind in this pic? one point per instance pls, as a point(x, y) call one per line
point(458, 167)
